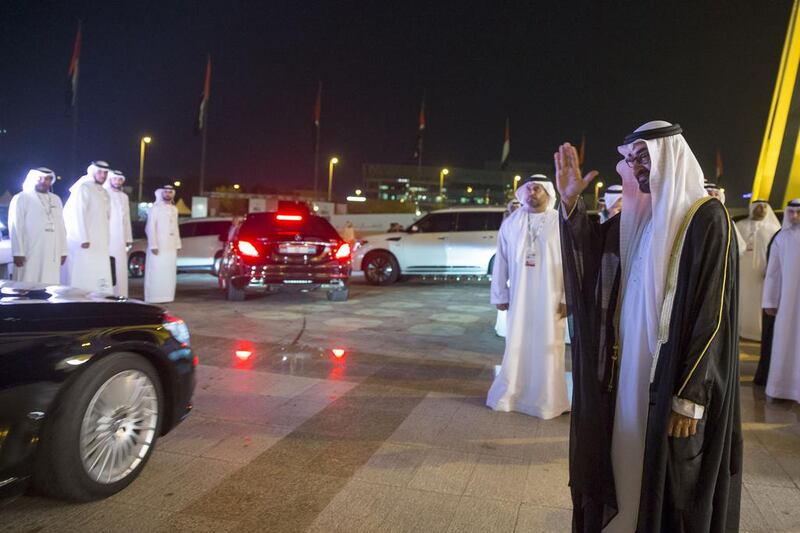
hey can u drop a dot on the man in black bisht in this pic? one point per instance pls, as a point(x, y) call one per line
point(656, 441)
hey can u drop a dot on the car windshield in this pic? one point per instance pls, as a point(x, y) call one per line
point(278, 226)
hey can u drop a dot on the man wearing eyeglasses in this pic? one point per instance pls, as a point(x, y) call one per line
point(656, 441)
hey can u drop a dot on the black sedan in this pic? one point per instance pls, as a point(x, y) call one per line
point(87, 385)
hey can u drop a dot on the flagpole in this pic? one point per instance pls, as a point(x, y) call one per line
point(203, 153)
point(75, 136)
point(316, 163)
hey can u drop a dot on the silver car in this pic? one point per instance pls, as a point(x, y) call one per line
point(202, 241)
point(448, 242)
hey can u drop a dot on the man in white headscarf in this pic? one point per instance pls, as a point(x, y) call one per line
point(656, 442)
point(36, 229)
point(612, 200)
point(782, 300)
point(501, 325)
point(120, 235)
point(528, 282)
point(757, 231)
point(163, 243)
point(86, 216)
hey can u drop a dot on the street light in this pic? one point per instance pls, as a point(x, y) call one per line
point(517, 179)
point(597, 187)
point(333, 161)
point(145, 140)
point(442, 173)
point(236, 186)
point(469, 189)
point(177, 183)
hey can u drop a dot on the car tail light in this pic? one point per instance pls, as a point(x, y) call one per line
point(246, 248)
point(343, 252)
point(177, 328)
point(289, 218)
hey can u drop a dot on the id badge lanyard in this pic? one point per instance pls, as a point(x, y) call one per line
point(531, 248)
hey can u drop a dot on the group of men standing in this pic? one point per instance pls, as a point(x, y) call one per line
point(85, 243)
point(650, 289)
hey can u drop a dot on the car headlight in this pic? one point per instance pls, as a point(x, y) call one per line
point(178, 328)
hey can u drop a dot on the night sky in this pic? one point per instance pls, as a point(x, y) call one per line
point(557, 69)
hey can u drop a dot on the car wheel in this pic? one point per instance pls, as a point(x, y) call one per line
point(136, 264)
point(381, 268)
point(232, 293)
point(338, 295)
point(217, 263)
point(103, 431)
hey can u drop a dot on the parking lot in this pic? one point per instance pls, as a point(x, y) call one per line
point(368, 415)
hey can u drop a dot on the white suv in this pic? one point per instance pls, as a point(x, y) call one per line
point(448, 242)
point(202, 241)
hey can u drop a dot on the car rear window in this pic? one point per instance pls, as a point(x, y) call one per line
point(267, 225)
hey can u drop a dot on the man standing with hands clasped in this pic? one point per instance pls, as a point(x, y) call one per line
point(527, 280)
point(163, 243)
point(656, 442)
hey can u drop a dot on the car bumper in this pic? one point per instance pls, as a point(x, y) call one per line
point(299, 276)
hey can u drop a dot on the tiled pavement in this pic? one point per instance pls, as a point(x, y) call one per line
point(393, 437)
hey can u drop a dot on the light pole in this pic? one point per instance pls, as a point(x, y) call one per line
point(442, 173)
point(597, 187)
point(517, 179)
point(145, 140)
point(333, 161)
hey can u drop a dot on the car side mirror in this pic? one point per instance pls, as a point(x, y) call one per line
point(413, 229)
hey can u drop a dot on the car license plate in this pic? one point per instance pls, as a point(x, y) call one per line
point(297, 249)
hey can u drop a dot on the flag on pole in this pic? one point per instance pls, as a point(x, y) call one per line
point(72, 73)
point(506, 146)
point(420, 131)
point(318, 106)
point(582, 151)
point(204, 98)
point(719, 164)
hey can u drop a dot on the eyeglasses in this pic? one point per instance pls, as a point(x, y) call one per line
point(643, 159)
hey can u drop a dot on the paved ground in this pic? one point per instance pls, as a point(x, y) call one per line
point(392, 437)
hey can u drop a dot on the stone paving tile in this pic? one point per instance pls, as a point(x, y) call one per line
point(422, 512)
point(392, 464)
point(445, 471)
point(498, 478)
point(358, 507)
point(779, 507)
point(543, 519)
point(484, 516)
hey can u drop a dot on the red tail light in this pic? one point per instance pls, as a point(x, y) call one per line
point(289, 218)
point(344, 251)
point(246, 248)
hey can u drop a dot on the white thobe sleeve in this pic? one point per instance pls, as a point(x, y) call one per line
point(83, 200)
point(685, 407)
point(126, 220)
point(177, 231)
point(151, 229)
point(499, 291)
point(771, 297)
point(16, 227)
point(61, 228)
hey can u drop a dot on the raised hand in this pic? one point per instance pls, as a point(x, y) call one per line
point(569, 180)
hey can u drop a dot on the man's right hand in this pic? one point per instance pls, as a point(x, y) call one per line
point(154, 250)
point(569, 182)
point(19, 261)
point(84, 245)
point(502, 307)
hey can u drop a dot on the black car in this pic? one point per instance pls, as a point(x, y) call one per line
point(285, 249)
point(87, 385)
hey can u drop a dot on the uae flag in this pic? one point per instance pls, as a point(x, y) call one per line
point(202, 112)
point(719, 165)
point(420, 132)
point(72, 73)
point(506, 147)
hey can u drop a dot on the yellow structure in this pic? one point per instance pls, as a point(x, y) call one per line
point(777, 176)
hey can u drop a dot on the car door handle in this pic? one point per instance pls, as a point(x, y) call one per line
point(442, 238)
point(488, 236)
